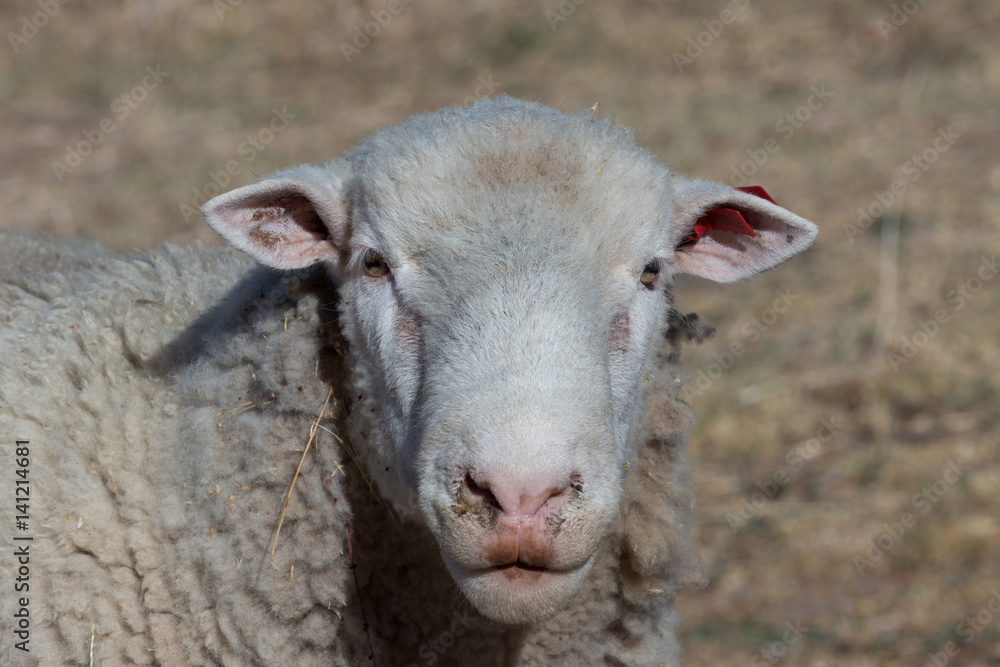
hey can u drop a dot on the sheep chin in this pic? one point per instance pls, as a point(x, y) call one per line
point(519, 595)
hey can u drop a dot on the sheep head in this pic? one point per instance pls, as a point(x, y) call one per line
point(504, 273)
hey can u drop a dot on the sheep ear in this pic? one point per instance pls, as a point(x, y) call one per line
point(288, 220)
point(728, 234)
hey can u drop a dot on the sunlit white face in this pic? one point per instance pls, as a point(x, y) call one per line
point(505, 364)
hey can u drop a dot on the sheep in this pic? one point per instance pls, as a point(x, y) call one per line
point(445, 432)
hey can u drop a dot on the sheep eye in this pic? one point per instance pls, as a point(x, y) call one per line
point(375, 266)
point(649, 274)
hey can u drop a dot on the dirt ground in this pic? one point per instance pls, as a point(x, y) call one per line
point(848, 457)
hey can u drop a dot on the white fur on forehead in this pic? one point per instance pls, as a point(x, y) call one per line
point(464, 180)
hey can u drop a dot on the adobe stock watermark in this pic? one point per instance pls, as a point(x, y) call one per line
point(486, 87)
point(432, 651)
point(364, 33)
point(223, 7)
point(968, 630)
point(900, 14)
point(786, 126)
point(912, 170)
point(699, 43)
point(957, 298)
point(795, 461)
point(121, 108)
point(565, 9)
point(752, 330)
point(247, 150)
point(776, 650)
point(30, 25)
point(890, 534)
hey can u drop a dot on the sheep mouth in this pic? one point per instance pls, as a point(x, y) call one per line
point(516, 593)
point(518, 575)
point(517, 568)
point(522, 573)
point(522, 566)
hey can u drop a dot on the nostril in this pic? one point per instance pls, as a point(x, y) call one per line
point(481, 491)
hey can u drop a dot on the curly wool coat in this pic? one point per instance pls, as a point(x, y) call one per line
point(166, 398)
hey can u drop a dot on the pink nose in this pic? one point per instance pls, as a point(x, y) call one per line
point(522, 501)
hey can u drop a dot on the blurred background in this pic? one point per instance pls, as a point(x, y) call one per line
point(847, 456)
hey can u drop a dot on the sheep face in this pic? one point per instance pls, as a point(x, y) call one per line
point(505, 333)
point(503, 273)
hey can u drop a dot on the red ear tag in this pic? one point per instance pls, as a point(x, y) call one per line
point(727, 219)
point(757, 191)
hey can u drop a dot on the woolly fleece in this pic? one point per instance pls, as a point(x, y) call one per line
point(167, 397)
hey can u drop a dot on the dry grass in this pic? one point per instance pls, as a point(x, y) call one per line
point(822, 359)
